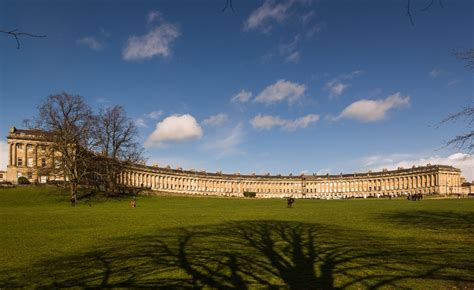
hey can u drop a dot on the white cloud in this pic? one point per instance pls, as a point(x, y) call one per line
point(277, 11)
point(157, 42)
point(280, 91)
point(290, 50)
point(154, 15)
point(463, 161)
point(373, 110)
point(314, 30)
point(228, 144)
point(155, 115)
point(267, 122)
point(262, 17)
point(452, 83)
point(90, 42)
point(216, 120)
point(140, 122)
point(3, 155)
point(242, 97)
point(434, 73)
point(177, 128)
point(293, 57)
point(339, 84)
point(336, 88)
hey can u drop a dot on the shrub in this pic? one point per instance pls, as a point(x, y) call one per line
point(249, 194)
point(23, 180)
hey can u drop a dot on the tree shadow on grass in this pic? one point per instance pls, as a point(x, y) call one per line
point(433, 220)
point(249, 254)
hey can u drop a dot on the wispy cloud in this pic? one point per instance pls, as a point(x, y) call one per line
point(91, 42)
point(227, 144)
point(267, 122)
point(339, 84)
point(373, 110)
point(216, 120)
point(452, 83)
point(154, 15)
point(154, 115)
point(436, 72)
point(270, 11)
point(290, 50)
point(280, 91)
point(273, 12)
point(157, 42)
point(241, 97)
point(140, 122)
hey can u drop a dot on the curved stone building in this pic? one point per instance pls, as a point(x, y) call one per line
point(27, 158)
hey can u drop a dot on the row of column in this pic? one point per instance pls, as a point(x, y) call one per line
point(379, 184)
point(178, 183)
point(13, 157)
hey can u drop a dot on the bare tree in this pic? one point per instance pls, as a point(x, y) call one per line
point(465, 140)
point(17, 34)
point(114, 140)
point(67, 123)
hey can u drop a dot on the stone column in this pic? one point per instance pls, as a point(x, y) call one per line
point(10, 152)
point(25, 155)
point(15, 155)
point(35, 163)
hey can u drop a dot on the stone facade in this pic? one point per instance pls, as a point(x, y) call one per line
point(27, 158)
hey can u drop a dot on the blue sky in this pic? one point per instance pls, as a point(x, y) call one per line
point(288, 86)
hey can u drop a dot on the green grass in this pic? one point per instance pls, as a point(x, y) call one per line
point(187, 242)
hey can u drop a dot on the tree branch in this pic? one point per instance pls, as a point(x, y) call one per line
point(408, 6)
point(227, 4)
point(16, 34)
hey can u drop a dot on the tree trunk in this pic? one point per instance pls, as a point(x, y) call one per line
point(73, 189)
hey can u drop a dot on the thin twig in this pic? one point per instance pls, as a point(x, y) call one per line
point(409, 12)
point(227, 4)
point(427, 7)
point(16, 34)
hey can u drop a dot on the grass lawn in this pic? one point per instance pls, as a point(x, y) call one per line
point(187, 242)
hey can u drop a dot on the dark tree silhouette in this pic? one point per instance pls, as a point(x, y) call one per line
point(114, 137)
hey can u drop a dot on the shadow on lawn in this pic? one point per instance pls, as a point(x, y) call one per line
point(439, 220)
point(269, 254)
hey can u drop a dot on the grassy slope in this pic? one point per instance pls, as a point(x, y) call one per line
point(221, 243)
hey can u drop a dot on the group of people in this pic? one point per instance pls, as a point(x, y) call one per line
point(415, 196)
point(133, 203)
point(290, 201)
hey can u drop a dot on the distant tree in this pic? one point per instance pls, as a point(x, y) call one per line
point(67, 123)
point(114, 136)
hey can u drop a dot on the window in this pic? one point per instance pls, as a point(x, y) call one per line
point(19, 174)
point(29, 175)
point(43, 162)
point(29, 147)
point(19, 162)
point(30, 162)
point(43, 148)
point(43, 179)
point(19, 146)
point(1, 175)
